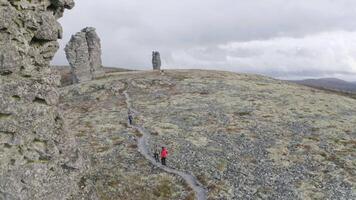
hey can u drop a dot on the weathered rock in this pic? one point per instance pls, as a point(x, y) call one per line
point(78, 56)
point(35, 149)
point(84, 55)
point(156, 60)
point(94, 48)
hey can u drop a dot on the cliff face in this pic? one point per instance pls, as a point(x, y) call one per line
point(37, 157)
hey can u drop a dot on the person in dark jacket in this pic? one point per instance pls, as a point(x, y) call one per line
point(130, 117)
point(164, 154)
point(156, 155)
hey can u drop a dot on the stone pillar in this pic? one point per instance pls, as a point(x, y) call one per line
point(156, 60)
point(84, 55)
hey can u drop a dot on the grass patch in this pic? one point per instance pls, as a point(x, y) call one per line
point(267, 116)
point(133, 146)
point(16, 97)
point(221, 166)
point(81, 134)
point(243, 113)
point(304, 146)
point(138, 134)
point(314, 138)
point(154, 133)
point(163, 189)
point(202, 179)
point(102, 149)
point(191, 196)
point(40, 101)
point(4, 115)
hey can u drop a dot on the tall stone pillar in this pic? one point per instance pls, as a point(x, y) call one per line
point(156, 60)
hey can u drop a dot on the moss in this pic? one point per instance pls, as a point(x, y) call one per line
point(191, 196)
point(4, 115)
point(164, 189)
point(202, 179)
point(16, 97)
point(103, 149)
point(40, 101)
point(138, 134)
point(81, 134)
point(133, 146)
point(243, 113)
point(222, 165)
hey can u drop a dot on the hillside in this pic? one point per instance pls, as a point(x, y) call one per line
point(66, 80)
point(330, 83)
point(241, 136)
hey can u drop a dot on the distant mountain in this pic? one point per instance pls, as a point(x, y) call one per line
point(330, 83)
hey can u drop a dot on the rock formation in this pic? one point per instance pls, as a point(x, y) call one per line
point(37, 157)
point(156, 60)
point(84, 55)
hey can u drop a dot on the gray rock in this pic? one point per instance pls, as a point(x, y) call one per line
point(156, 60)
point(84, 56)
point(77, 53)
point(50, 29)
point(34, 146)
point(94, 48)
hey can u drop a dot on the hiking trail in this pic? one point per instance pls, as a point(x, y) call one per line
point(200, 191)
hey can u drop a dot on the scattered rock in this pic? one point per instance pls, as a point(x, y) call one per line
point(84, 55)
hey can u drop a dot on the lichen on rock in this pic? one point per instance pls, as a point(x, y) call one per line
point(38, 158)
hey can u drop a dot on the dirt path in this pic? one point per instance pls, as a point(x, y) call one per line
point(143, 146)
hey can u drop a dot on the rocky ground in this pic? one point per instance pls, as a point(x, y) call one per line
point(65, 73)
point(243, 136)
point(96, 114)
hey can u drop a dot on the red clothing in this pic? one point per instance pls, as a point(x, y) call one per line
point(164, 153)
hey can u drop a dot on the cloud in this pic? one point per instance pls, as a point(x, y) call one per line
point(270, 36)
point(324, 54)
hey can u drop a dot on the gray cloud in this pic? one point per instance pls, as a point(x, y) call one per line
point(272, 36)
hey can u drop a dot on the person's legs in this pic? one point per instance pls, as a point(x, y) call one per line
point(163, 161)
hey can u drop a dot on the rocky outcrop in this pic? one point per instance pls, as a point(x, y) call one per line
point(84, 55)
point(38, 158)
point(156, 60)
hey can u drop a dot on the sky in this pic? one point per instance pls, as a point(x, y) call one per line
point(289, 39)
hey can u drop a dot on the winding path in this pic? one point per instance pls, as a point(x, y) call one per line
point(198, 188)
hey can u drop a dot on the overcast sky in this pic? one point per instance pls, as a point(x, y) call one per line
point(280, 38)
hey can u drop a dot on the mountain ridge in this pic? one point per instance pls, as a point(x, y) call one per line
point(329, 83)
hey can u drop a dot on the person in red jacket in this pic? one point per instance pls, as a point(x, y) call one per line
point(164, 154)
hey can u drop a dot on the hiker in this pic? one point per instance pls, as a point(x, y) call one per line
point(164, 154)
point(130, 117)
point(156, 154)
